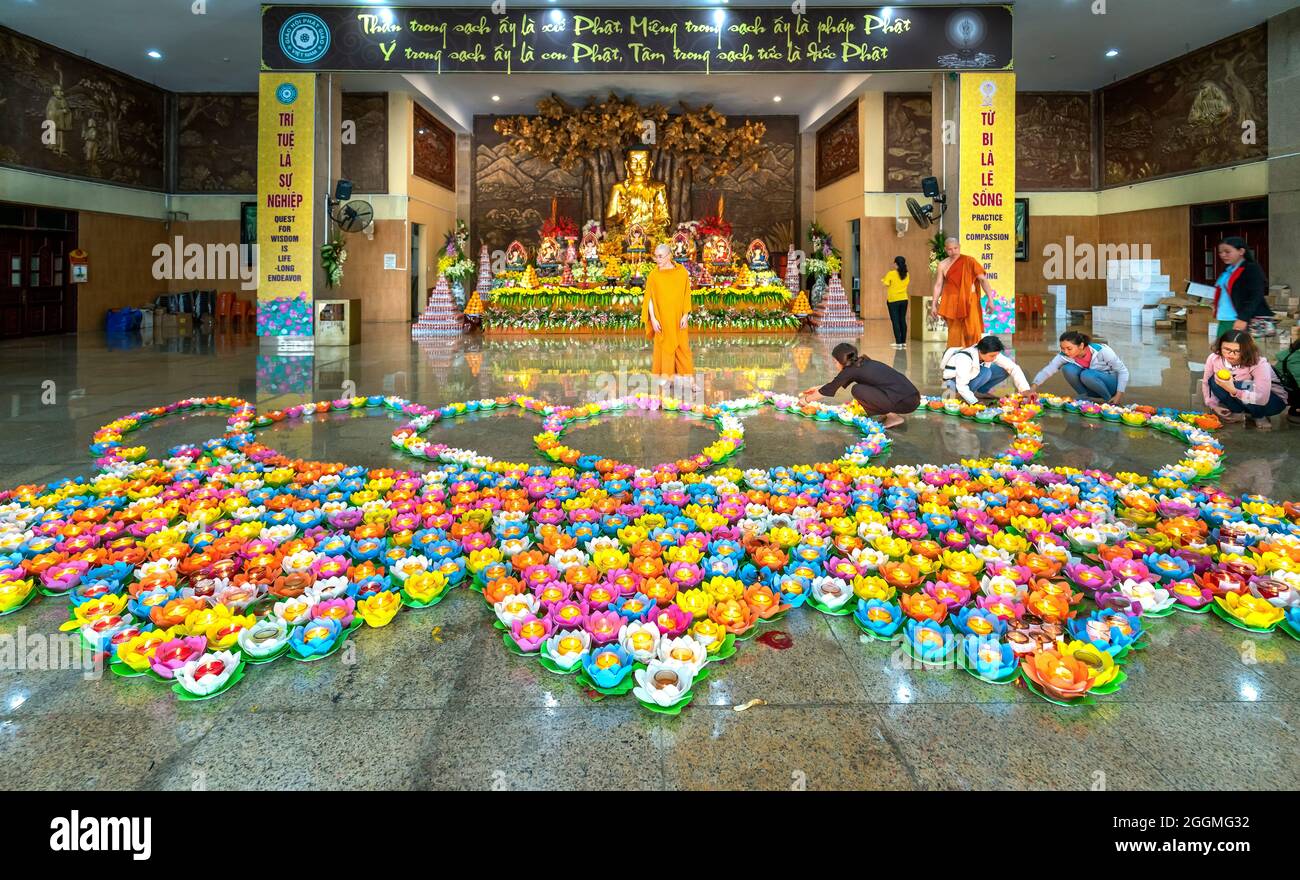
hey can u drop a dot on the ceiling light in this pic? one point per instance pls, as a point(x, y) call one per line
point(557, 15)
point(386, 16)
point(719, 17)
point(776, 98)
point(154, 54)
point(1111, 53)
point(496, 97)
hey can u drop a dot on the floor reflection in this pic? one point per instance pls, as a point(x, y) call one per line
point(96, 379)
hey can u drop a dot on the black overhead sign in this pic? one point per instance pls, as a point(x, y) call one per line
point(646, 40)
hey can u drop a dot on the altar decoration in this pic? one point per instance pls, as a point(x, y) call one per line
point(440, 317)
point(617, 308)
point(483, 284)
point(211, 562)
point(833, 314)
point(595, 137)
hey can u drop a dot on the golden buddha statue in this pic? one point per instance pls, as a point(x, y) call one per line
point(638, 200)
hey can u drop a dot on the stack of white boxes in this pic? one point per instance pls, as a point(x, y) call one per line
point(1060, 314)
point(1134, 289)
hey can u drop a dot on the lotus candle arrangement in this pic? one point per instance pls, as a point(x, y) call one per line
point(224, 556)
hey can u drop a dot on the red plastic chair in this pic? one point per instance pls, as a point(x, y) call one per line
point(225, 306)
point(247, 314)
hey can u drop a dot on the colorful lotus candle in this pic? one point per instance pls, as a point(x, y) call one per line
point(988, 658)
point(1249, 611)
point(566, 649)
point(1057, 676)
point(878, 618)
point(928, 640)
point(316, 638)
point(607, 667)
point(209, 673)
point(662, 685)
point(263, 639)
point(171, 655)
point(136, 652)
point(639, 639)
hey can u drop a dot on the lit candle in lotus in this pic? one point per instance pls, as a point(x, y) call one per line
point(879, 615)
point(990, 653)
point(642, 641)
point(980, 626)
point(533, 629)
point(633, 606)
point(570, 645)
point(552, 594)
point(606, 660)
point(214, 667)
point(927, 636)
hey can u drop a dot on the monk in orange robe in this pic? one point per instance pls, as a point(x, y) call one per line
point(956, 299)
point(665, 311)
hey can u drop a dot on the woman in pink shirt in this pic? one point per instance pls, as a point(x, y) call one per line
point(1239, 383)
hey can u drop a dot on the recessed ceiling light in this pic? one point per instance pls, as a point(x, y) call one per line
point(154, 54)
point(496, 97)
point(719, 17)
point(557, 15)
point(1111, 53)
point(776, 98)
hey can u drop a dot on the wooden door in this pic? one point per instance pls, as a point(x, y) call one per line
point(35, 288)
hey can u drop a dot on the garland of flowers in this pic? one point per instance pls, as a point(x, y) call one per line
point(192, 570)
point(548, 319)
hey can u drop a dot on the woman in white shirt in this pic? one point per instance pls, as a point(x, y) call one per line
point(974, 372)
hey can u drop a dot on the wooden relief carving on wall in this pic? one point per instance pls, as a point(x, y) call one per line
point(1189, 114)
point(1054, 141)
point(838, 147)
point(365, 162)
point(435, 149)
point(908, 150)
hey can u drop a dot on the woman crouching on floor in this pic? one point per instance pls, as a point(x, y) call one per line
point(881, 390)
point(1238, 382)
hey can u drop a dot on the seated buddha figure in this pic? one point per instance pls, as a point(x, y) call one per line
point(638, 200)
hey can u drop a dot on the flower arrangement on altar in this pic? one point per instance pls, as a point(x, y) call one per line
point(560, 228)
point(454, 263)
point(196, 569)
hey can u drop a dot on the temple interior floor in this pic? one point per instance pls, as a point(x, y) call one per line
point(434, 701)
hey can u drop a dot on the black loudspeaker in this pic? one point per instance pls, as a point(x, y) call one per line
point(343, 190)
point(930, 187)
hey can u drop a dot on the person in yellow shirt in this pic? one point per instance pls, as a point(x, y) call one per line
point(665, 312)
point(896, 283)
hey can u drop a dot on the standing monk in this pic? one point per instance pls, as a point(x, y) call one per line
point(665, 310)
point(955, 297)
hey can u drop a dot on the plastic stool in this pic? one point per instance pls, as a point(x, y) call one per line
point(225, 305)
point(247, 314)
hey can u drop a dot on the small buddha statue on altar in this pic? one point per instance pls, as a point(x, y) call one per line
point(548, 253)
point(638, 200)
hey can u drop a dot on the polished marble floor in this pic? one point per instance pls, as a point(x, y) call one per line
point(433, 701)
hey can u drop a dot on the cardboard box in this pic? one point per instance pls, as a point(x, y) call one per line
point(1198, 320)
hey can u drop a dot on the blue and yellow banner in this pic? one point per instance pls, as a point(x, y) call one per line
point(286, 203)
point(988, 189)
